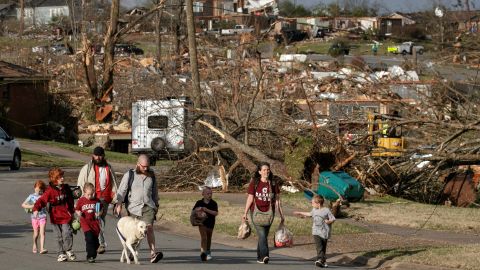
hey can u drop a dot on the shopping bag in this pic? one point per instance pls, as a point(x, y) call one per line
point(283, 237)
point(244, 230)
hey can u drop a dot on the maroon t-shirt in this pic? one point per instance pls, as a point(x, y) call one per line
point(262, 196)
point(88, 221)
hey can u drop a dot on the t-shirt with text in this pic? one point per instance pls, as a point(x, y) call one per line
point(88, 221)
point(263, 196)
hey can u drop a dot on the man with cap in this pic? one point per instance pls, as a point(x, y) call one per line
point(100, 174)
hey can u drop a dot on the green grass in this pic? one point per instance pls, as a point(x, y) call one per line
point(458, 257)
point(110, 155)
point(33, 159)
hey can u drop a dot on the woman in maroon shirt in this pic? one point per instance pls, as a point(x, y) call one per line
point(263, 192)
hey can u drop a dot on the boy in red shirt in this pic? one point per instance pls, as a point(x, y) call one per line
point(61, 211)
point(88, 209)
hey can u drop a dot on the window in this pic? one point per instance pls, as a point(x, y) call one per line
point(28, 13)
point(157, 121)
point(56, 12)
point(5, 92)
point(197, 7)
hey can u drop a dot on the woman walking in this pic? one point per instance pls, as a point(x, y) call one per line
point(262, 201)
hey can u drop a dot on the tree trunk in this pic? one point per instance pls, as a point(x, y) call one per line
point(159, 37)
point(22, 17)
point(109, 46)
point(192, 51)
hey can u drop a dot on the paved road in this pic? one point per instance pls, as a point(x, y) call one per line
point(180, 252)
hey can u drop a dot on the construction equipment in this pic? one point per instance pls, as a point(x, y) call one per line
point(385, 136)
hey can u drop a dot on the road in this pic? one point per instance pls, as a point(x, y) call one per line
point(180, 252)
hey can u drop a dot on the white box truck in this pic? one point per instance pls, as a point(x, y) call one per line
point(160, 128)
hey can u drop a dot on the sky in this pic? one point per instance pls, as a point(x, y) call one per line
point(386, 6)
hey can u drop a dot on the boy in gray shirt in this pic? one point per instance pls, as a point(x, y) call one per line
point(321, 228)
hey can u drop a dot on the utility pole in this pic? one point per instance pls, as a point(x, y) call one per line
point(192, 51)
point(22, 16)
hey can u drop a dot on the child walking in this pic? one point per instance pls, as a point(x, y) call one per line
point(88, 209)
point(322, 219)
point(60, 198)
point(38, 222)
point(210, 207)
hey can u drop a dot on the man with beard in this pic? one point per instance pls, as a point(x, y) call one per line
point(139, 188)
point(100, 174)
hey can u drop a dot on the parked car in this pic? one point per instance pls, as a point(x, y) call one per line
point(10, 153)
point(406, 48)
point(127, 50)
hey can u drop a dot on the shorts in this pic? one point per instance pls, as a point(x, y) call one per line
point(148, 214)
point(36, 222)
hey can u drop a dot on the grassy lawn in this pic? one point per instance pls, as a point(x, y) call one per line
point(400, 212)
point(460, 257)
point(33, 159)
point(229, 217)
point(111, 156)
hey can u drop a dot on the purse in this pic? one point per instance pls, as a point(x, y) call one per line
point(260, 218)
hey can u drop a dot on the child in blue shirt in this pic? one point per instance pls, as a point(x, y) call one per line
point(38, 222)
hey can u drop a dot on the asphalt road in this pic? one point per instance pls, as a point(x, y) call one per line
point(180, 252)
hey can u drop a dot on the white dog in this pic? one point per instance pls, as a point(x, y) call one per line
point(131, 231)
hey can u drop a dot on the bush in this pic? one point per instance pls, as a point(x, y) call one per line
point(339, 47)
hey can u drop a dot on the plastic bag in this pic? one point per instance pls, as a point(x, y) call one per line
point(244, 230)
point(283, 237)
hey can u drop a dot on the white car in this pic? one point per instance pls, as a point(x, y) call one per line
point(10, 153)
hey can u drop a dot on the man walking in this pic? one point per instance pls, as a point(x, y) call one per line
point(100, 174)
point(138, 190)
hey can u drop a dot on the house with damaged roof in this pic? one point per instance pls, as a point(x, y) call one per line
point(24, 98)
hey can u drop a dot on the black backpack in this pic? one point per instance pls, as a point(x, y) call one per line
point(129, 187)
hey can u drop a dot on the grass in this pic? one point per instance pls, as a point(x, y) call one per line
point(400, 212)
point(229, 219)
point(33, 159)
point(111, 156)
point(460, 257)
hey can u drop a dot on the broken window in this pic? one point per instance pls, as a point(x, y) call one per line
point(157, 121)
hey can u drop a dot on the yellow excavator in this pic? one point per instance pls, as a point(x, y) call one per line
point(386, 138)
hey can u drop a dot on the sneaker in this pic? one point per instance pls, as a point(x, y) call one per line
point(203, 256)
point(91, 260)
point(209, 257)
point(101, 249)
point(325, 265)
point(156, 257)
point(266, 259)
point(259, 261)
point(62, 257)
point(318, 264)
point(71, 256)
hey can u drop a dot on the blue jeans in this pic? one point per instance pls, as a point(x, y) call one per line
point(262, 246)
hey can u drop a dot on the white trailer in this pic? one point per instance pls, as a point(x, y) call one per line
point(160, 128)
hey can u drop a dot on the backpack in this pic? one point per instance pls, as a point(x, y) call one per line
point(129, 187)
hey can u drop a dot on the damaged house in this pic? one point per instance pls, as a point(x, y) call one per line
point(23, 99)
